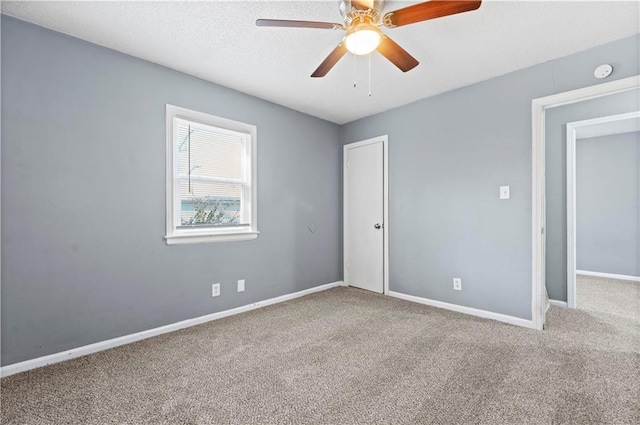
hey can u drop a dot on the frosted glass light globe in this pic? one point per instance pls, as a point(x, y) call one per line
point(363, 41)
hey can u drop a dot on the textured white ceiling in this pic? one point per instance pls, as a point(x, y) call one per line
point(219, 42)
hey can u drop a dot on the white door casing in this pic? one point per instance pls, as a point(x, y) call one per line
point(365, 224)
point(612, 124)
point(538, 108)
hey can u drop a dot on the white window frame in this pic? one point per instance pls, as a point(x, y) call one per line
point(179, 236)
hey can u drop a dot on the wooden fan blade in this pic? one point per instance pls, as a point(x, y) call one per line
point(297, 24)
point(330, 61)
point(396, 54)
point(427, 10)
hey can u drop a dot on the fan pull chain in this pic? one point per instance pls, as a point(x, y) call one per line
point(355, 73)
point(369, 74)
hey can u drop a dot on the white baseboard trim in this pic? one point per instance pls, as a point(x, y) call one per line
point(128, 339)
point(557, 303)
point(466, 310)
point(609, 275)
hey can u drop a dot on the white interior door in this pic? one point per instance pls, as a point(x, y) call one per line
point(364, 215)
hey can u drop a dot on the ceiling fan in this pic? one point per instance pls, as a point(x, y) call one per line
point(362, 19)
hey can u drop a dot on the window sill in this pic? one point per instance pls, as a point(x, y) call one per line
point(224, 237)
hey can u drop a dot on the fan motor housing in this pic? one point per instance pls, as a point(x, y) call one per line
point(352, 15)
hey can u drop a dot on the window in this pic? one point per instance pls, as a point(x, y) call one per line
point(211, 178)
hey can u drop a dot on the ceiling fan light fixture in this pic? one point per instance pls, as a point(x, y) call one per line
point(361, 20)
point(363, 41)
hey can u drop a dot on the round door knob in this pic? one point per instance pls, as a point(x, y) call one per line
point(377, 225)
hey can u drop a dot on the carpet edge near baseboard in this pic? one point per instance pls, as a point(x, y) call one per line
point(609, 275)
point(84, 350)
point(512, 320)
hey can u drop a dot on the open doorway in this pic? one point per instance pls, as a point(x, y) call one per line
point(603, 213)
point(549, 233)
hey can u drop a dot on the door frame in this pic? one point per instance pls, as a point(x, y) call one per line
point(538, 210)
point(385, 196)
point(612, 124)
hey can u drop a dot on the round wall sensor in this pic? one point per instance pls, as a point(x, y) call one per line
point(603, 71)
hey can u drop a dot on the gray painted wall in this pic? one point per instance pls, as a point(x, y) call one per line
point(608, 204)
point(448, 155)
point(85, 125)
point(556, 182)
point(83, 198)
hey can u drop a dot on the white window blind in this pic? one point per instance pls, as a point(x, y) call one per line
point(212, 178)
point(212, 175)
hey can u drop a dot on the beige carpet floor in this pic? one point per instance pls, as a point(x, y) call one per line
point(345, 356)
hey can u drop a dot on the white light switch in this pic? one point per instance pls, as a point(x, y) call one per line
point(505, 192)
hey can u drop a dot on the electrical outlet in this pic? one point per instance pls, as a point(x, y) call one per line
point(457, 284)
point(241, 285)
point(215, 290)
